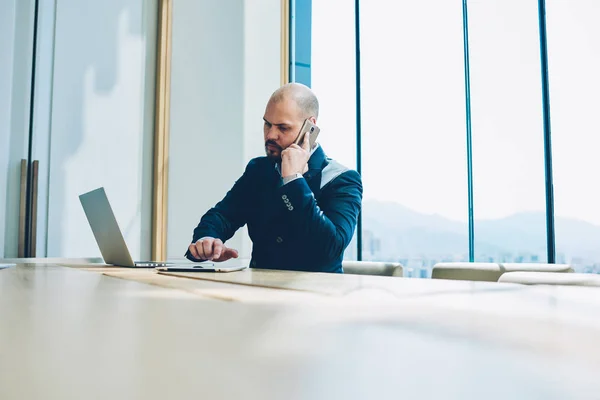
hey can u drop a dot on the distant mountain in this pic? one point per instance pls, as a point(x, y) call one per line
point(393, 231)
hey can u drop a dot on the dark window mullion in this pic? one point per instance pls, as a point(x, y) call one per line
point(469, 133)
point(550, 230)
point(358, 119)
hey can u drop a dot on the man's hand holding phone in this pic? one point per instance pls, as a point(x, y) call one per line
point(212, 249)
point(294, 159)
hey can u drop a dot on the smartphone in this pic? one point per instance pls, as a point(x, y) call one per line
point(308, 128)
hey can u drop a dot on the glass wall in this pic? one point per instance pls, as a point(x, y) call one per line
point(413, 133)
point(574, 65)
point(414, 142)
point(508, 135)
point(333, 78)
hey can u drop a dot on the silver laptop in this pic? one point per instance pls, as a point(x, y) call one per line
point(107, 233)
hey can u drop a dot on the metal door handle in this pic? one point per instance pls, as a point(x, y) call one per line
point(33, 211)
point(23, 210)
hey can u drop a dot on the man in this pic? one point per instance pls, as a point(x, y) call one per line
point(300, 206)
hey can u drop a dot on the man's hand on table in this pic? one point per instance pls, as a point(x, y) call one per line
point(212, 249)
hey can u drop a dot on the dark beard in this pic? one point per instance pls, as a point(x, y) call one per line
point(272, 157)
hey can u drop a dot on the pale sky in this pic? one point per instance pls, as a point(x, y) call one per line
point(413, 107)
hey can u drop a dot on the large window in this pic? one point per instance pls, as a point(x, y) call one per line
point(574, 65)
point(333, 78)
point(326, 63)
point(413, 133)
point(414, 125)
point(508, 134)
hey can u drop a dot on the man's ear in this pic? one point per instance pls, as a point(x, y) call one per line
point(313, 120)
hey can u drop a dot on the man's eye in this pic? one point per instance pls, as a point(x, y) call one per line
point(284, 129)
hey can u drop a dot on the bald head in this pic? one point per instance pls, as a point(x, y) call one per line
point(302, 95)
point(286, 112)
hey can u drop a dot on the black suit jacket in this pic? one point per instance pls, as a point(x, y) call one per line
point(304, 225)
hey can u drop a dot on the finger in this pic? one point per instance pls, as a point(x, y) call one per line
point(200, 249)
point(193, 251)
point(228, 254)
point(306, 142)
point(217, 249)
point(207, 247)
point(294, 146)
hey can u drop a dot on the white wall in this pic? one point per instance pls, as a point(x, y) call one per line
point(225, 65)
point(16, 31)
point(94, 113)
point(102, 120)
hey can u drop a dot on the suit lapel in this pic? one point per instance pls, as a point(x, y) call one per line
point(316, 163)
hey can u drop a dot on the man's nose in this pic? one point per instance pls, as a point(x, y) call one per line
point(271, 133)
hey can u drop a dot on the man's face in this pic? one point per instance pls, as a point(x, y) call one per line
point(283, 120)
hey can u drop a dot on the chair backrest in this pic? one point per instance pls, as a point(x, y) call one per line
point(372, 268)
point(550, 278)
point(490, 272)
point(466, 271)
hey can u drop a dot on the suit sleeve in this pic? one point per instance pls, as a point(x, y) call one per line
point(330, 225)
point(227, 216)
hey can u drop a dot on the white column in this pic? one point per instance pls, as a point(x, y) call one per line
point(262, 74)
point(226, 63)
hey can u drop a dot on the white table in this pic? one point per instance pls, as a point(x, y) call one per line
point(68, 333)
